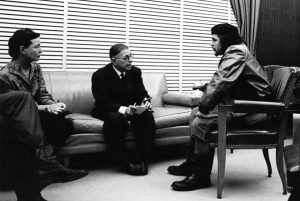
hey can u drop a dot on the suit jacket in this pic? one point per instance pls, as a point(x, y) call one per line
point(111, 93)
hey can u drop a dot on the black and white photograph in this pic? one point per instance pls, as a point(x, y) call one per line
point(149, 100)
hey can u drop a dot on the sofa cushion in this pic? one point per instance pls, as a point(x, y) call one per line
point(164, 117)
point(171, 116)
point(84, 123)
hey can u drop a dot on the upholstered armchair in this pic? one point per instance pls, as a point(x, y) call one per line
point(265, 137)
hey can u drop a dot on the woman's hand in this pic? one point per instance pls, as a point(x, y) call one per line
point(55, 108)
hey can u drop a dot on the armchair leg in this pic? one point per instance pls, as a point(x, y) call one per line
point(221, 152)
point(221, 171)
point(267, 159)
point(279, 162)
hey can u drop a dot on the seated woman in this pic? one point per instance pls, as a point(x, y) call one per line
point(23, 73)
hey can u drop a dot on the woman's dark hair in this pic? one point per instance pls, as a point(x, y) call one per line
point(21, 37)
point(228, 34)
point(116, 49)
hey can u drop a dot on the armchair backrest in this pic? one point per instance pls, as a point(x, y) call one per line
point(271, 68)
point(282, 82)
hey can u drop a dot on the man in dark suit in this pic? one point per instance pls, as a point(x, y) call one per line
point(118, 88)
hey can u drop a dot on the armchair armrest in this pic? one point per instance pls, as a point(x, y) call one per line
point(182, 99)
point(253, 106)
point(245, 106)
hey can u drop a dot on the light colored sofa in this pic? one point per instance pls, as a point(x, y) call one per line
point(171, 111)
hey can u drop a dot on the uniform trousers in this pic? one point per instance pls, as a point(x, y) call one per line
point(18, 148)
point(201, 124)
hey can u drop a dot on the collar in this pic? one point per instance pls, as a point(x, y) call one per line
point(15, 68)
point(118, 72)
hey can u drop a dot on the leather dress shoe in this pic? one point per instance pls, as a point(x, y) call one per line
point(192, 182)
point(135, 169)
point(144, 168)
point(295, 194)
point(60, 174)
point(184, 169)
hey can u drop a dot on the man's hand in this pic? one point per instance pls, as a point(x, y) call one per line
point(146, 103)
point(201, 86)
point(131, 110)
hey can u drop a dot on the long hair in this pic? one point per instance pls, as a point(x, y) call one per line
point(228, 34)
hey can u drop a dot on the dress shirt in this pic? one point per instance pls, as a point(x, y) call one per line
point(122, 109)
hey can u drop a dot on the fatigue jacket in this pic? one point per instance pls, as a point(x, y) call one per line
point(239, 76)
point(12, 79)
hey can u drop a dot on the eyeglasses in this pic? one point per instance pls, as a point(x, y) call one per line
point(127, 57)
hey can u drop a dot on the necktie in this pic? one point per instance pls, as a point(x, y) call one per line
point(122, 76)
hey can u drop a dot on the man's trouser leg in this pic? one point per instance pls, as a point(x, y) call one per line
point(114, 129)
point(20, 166)
point(20, 110)
point(17, 149)
point(143, 127)
point(196, 125)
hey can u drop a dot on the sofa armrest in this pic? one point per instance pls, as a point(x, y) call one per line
point(182, 99)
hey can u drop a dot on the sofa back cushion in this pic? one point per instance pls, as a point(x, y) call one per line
point(74, 88)
point(155, 84)
point(71, 88)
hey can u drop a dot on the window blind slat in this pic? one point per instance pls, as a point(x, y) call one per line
point(44, 17)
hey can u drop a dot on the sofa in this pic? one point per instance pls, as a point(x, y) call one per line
point(171, 111)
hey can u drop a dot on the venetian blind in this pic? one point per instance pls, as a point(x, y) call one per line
point(173, 36)
point(170, 36)
point(154, 36)
point(93, 26)
point(198, 60)
point(44, 17)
